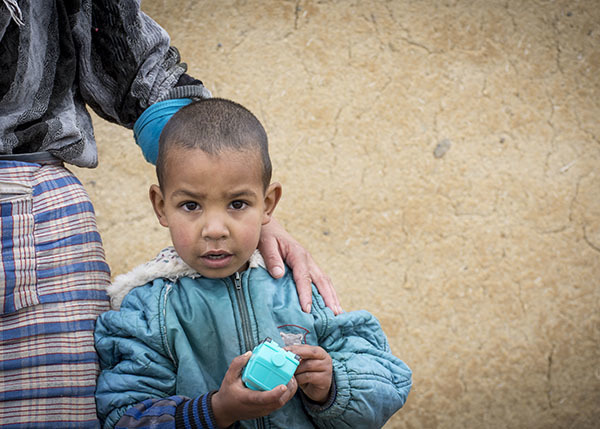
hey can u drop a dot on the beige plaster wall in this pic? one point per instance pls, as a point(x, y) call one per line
point(481, 258)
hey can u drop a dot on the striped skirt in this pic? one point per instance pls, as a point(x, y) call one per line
point(53, 278)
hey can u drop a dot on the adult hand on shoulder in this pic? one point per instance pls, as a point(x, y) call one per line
point(234, 401)
point(314, 371)
point(276, 245)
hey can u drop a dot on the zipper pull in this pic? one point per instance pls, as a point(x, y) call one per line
point(238, 281)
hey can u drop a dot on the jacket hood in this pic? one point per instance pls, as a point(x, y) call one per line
point(168, 265)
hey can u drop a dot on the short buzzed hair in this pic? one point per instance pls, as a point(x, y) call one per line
point(213, 125)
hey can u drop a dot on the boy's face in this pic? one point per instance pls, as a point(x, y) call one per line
point(214, 207)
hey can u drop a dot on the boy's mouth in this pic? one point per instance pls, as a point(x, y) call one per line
point(216, 256)
point(217, 259)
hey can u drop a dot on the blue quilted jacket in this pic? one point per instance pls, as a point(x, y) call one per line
point(176, 339)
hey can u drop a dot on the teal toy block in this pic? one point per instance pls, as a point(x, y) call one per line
point(269, 366)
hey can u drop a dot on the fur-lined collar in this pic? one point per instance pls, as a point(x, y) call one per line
point(167, 264)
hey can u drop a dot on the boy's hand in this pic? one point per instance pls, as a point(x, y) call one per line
point(314, 372)
point(276, 245)
point(234, 401)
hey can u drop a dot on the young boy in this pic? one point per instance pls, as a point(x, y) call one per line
point(173, 355)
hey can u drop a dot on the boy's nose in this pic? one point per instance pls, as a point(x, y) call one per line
point(214, 228)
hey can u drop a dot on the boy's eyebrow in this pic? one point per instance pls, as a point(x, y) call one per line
point(200, 195)
point(242, 193)
point(182, 192)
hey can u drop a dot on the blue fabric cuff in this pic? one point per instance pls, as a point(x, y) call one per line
point(150, 124)
point(313, 406)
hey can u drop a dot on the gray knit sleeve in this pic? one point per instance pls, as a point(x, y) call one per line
point(125, 61)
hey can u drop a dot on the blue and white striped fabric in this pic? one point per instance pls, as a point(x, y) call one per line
point(53, 278)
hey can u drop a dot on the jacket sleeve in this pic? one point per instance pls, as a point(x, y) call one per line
point(371, 383)
point(126, 62)
point(137, 383)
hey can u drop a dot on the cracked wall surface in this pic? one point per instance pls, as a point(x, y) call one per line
point(440, 160)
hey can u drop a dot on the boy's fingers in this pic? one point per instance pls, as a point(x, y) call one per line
point(281, 394)
point(312, 368)
point(292, 386)
point(241, 360)
point(306, 351)
point(272, 395)
point(311, 378)
point(271, 399)
point(237, 365)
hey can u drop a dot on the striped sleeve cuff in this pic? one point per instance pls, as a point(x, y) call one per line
point(153, 412)
point(196, 413)
point(186, 91)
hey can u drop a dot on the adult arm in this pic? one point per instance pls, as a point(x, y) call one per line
point(126, 62)
point(371, 384)
point(277, 245)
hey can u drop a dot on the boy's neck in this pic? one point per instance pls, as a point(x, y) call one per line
point(238, 271)
point(243, 268)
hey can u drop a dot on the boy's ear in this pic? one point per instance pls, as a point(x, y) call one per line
point(272, 196)
point(158, 204)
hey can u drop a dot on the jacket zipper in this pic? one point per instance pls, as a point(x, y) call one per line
point(246, 330)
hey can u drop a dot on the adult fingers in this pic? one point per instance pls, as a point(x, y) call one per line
point(268, 246)
point(303, 280)
point(306, 272)
point(324, 286)
point(277, 245)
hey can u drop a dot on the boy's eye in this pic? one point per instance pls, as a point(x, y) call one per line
point(237, 205)
point(190, 206)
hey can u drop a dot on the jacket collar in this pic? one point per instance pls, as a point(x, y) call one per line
point(168, 265)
